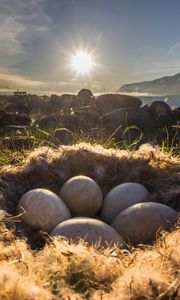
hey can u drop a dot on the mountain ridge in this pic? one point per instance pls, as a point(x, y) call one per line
point(164, 85)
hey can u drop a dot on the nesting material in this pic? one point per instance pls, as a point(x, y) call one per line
point(141, 222)
point(82, 196)
point(51, 168)
point(121, 197)
point(91, 230)
point(42, 209)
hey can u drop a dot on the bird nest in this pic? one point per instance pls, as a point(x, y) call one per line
point(50, 168)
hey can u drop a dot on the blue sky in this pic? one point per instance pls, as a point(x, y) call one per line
point(131, 40)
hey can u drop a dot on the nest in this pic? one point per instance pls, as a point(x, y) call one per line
point(49, 168)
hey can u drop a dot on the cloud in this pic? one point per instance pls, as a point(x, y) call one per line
point(174, 48)
point(20, 22)
point(35, 48)
point(9, 81)
point(10, 30)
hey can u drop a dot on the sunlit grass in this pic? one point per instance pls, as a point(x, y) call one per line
point(63, 271)
point(11, 154)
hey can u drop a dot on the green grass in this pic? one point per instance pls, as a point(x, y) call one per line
point(11, 154)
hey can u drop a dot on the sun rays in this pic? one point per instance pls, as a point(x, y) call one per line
point(82, 62)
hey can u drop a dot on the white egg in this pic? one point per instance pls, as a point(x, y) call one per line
point(121, 197)
point(42, 209)
point(82, 195)
point(93, 231)
point(141, 222)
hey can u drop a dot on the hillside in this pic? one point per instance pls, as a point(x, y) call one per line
point(169, 85)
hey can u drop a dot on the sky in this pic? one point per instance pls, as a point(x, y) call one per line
point(129, 40)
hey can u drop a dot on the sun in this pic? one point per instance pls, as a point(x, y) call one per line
point(82, 62)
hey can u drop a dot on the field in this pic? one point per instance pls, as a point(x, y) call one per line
point(35, 266)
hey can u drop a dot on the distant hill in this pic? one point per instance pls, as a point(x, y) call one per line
point(169, 85)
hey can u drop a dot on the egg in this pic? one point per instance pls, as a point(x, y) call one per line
point(42, 209)
point(91, 230)
point(140, 223)
point(121, 197)
point(82, 195)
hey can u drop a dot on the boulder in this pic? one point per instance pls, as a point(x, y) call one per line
point(159, 107)
point(69, 102)
point(18, 109)
point(125, 117)
point(9, 130)
point(88, 119)
point(61, 136)
point(55, 104)
point(109, 102)
point(7, 119)
point(57, 120)
point(176, 114)
point(86, 97)
point(162, 113)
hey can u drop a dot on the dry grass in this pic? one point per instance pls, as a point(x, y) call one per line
point(50, 168)
point(33, 266)
point(62, 271)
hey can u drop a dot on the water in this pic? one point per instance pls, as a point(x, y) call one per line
point(172, 101)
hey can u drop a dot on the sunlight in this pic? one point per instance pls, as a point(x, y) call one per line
point(82, 62)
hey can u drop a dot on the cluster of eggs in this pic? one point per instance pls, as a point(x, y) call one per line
point(126, 215)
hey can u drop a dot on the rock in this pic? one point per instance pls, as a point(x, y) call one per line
point(140, 223)
point(86, 97)
point(162, 113)
point(18, 109)
point(109, 102)
point(42, 209)
point(69, 101)
point(88, 119)
point(61, 136)
point(57, 120)
point(176, 114)
point(11, 129)
point(82, 196)
point(121, 197)
point(125, 117)
point(91, 230)
point(39, 105)
point(159, 107)
point(129, 136)
point(54, 104)
point(164, 120)
point(7, 119)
